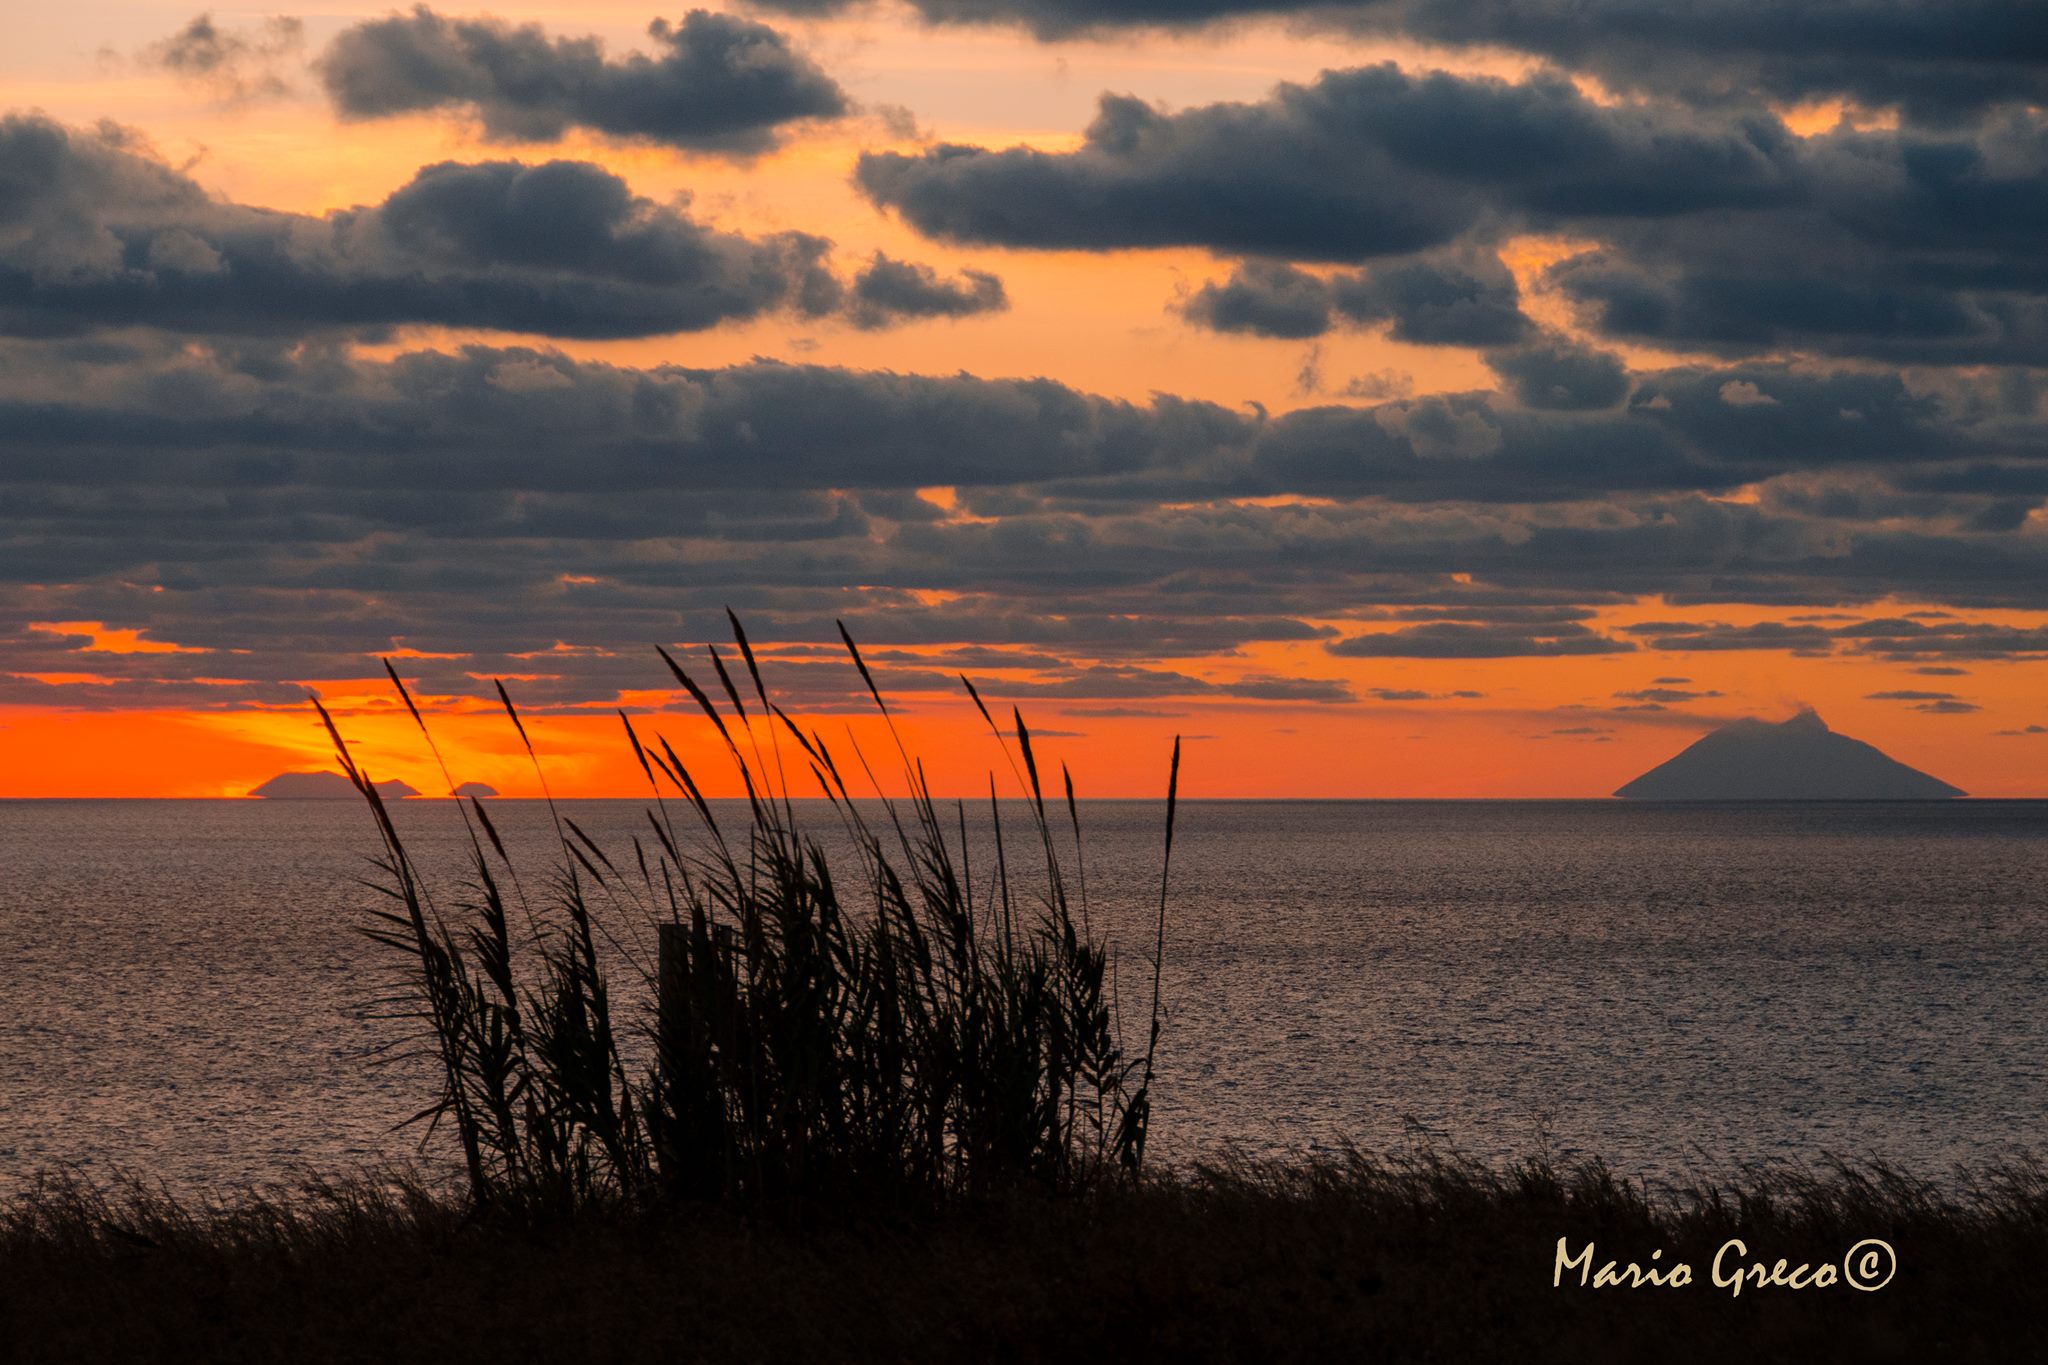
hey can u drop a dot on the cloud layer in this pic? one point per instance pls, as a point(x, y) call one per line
point(1355, 165)
point(493, 502)
point(95, 232)
point(716, 83)
point(1776, 382)
point(1719, 228)
point(1446, 300)
point(1934, 59)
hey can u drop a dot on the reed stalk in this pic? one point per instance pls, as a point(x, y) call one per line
point(864, 1032)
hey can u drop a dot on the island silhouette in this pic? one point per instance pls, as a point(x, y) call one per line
point(324, 786)
point(1799, 759)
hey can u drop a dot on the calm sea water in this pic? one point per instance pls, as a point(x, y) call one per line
point(184, 993)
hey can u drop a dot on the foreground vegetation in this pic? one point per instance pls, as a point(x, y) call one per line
point(872, 1033)
point(1427, 1258)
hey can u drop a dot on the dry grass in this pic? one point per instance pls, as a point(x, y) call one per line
point(1424, 1257)
point(873, 1032)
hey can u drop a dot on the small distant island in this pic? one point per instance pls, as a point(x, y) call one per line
point(1799, 759)
point(332, 786)
point(324, 786)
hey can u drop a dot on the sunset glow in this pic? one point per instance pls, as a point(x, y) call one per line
point(1390, 412)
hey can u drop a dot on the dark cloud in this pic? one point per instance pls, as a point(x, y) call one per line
point(1681, 429)
point(1263, 298)
point(313, 506)
point(1489, 612)
point(1554, 371)
point(1773, 414)
point(1447, 300)
point(1267, 687)
point(95, 232)
point(1095, 682)
point(1888, 637)
point(1995, 480)
point(1358, 164)
point(1019, 450)
point(1939, 59)
point(1683, 636)
point(235, 65)
point(1448, 640)
point(1905, 246)
point(1387, 446)
point(889, 291)
point(2006, 514)
point(973, 658)
point(1900, 638)
point(1665, 696)
point(1400, 694)
point(1380, 384)
point(716, 83)
point(1859, 497)
point(1755, 306)
point(52, 669)
point(1718, 228)
point(507, 418)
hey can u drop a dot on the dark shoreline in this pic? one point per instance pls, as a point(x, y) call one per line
point(1421, 1257)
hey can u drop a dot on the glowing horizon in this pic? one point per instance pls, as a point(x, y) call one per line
point(1506, 480)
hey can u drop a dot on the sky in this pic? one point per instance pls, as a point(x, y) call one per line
point(1394, 398)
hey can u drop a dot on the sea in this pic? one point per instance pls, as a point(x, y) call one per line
point(186, 994)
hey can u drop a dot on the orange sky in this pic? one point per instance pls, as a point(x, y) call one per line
point(1543, 727)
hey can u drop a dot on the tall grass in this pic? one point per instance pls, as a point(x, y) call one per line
point(877, 1030)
